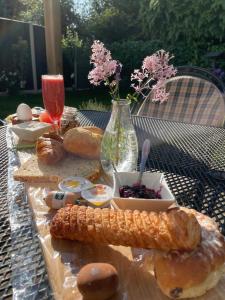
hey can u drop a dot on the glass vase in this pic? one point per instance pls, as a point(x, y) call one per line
point(119, 144)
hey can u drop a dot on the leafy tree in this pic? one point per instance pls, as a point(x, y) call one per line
point(70, 44)
point(193, 26)
point(70, 17)
point(32, 11)
point(114, 20)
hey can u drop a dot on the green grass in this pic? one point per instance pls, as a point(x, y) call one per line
point(91, 99)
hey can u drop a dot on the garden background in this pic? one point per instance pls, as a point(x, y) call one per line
point(190, 29)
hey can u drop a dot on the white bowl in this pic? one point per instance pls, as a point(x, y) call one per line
point(154, 181)
point(30, 131)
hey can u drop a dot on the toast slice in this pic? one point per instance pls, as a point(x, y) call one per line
point(33, 171)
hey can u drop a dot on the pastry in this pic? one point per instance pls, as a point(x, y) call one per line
point(176, 229)
point(192, 274)
point(83, 143)
point(49, 149)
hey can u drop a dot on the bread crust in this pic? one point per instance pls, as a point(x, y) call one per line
point(182, 274)
point(94, 129)
point(114, 228)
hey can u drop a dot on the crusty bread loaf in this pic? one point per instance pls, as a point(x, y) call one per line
point(187, 275)
point(34, 171)
point(83, 143)
point(176, 229)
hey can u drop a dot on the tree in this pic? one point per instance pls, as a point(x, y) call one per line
point(114, 20)
point(33, 11)
point(70, 44)
point(176, 19)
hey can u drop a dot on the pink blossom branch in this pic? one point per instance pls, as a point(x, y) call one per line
point(155, 68)
point(104, 68)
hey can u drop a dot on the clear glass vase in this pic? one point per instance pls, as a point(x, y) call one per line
point(119, 144)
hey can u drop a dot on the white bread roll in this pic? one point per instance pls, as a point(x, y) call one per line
point(83, 142)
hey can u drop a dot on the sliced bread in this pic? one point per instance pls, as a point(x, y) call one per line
point(34, 171)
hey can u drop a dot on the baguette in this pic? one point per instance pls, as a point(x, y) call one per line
point(172, 230)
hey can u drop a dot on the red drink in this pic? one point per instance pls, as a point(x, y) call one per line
point(53, 96)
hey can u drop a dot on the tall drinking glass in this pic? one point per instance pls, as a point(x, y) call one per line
point(54, 97)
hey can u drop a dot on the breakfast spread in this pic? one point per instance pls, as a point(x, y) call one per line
point(177, 229)
point(189, 251)
point(97, 281)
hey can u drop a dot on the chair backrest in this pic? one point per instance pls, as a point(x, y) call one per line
point(191, 100)
point(202, 73)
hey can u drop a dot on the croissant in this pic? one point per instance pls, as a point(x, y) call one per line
point(49, 149)
point(172, 230)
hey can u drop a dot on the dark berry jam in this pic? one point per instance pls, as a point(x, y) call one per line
point(138, 191)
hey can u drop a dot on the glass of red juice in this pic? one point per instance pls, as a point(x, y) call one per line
point(53, 97)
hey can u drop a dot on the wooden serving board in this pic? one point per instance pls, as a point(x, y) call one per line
point(65, 258)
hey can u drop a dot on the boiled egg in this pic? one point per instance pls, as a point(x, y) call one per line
point(24, 112)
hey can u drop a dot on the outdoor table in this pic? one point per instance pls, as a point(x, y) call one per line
point(185, 153)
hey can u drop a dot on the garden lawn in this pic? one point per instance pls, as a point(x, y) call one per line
point(100, 100)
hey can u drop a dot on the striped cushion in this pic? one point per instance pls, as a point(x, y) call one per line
point(191, 100)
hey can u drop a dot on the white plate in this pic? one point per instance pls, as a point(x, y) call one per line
point(30, 131)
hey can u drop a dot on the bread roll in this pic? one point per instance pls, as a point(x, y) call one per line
point(83, 143)
point(97, 281)
point(192, 274)
point(173, 230)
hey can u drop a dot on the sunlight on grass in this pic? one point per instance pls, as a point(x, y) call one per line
point(93, 104)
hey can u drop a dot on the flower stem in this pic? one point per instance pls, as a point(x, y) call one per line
point(118, 134)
